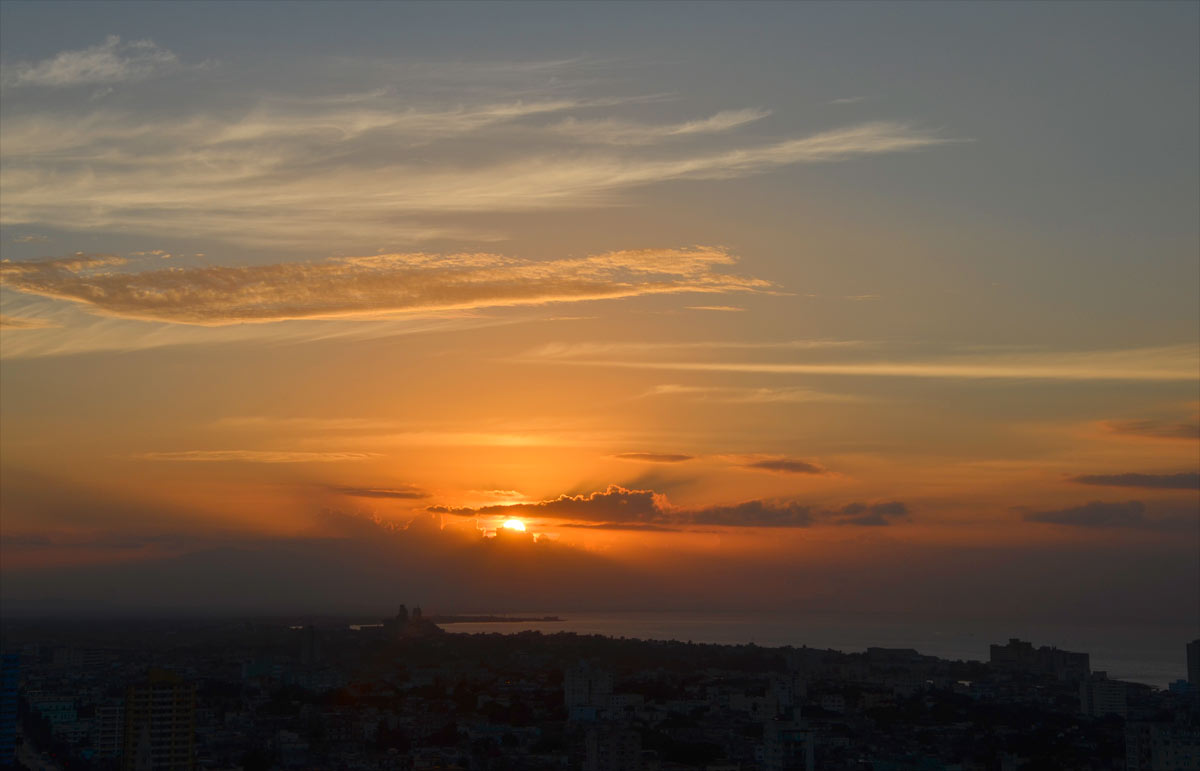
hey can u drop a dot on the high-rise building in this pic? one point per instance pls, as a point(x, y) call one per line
point(10, 675)
point(108, 729)
point(160, 724)
point(1193, 663)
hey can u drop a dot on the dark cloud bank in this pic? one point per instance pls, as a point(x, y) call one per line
point(619, 508)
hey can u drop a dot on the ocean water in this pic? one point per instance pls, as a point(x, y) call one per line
point(1151, 654)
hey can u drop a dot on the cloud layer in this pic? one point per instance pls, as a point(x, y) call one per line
point(369, 286)
point(361, 170)
point(619, 508)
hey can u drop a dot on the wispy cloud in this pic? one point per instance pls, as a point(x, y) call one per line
point(618, 132)
point(786, 466)
point(1098, 514)
point(406, 493)
point(747, 395)
point(25, 322)
point(1162, 363)
point(359, 174)
point(369, 286)
point(654, 457)
point(104, 64)
point(254, 456)
point(1155, 429)
point(1188, 480)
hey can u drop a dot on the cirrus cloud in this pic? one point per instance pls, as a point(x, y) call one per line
point(103, 64)
point(371, 286)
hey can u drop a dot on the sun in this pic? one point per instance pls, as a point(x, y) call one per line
point(514, 524)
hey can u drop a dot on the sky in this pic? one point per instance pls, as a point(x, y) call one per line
point(806, 307)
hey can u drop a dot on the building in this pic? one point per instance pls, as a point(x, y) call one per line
point(1020, 656)
point(1162, 747)
point(108, 729)
point(1193, 663)
point(160, 724)
point(587, 686)
point(787, 746)
point(10, 676)
point(1099, 696)
point(612, 747)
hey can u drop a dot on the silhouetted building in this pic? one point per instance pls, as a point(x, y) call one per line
point(10, 675)
point(160, 724)
point(587, 689)
point(1099, 696)
point(1193, 663)
point(612, 747)
point(1021, 656)
point(310, 646)
point(787, 746)
point(407, 624)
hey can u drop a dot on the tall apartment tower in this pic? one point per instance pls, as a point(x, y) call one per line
point(1193, 658)
point(160, 724)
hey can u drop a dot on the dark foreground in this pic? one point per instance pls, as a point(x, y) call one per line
point(407, 695)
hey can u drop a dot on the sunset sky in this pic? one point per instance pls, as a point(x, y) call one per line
point(871, 307)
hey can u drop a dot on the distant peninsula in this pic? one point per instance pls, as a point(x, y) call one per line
point(491, 619)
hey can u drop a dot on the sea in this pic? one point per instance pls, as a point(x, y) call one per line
point(1154, 654)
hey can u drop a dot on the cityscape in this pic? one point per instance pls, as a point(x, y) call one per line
point(649, 385)
point(407, 693)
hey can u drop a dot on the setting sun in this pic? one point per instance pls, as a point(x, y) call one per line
point(514, 524)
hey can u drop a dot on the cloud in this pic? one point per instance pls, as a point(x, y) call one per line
point(406, 493)
point(653, 457)
point(254, 456)
point(106, 63)
point(619, 508)
point(1161, 363)
point(615, 504)
point(786, 466)
point(747, 395)
point(358, 173)
point(1155, 429)
point(1096, 514)
point(626, 526)
point(752, 514)
point(369, 286)
point(25, 322)
point(30, 239)
point(1181, 481)
point(722, 308)
point(617, 132)
point(870, 514)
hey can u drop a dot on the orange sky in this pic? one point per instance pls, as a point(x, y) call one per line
point(784, 327)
